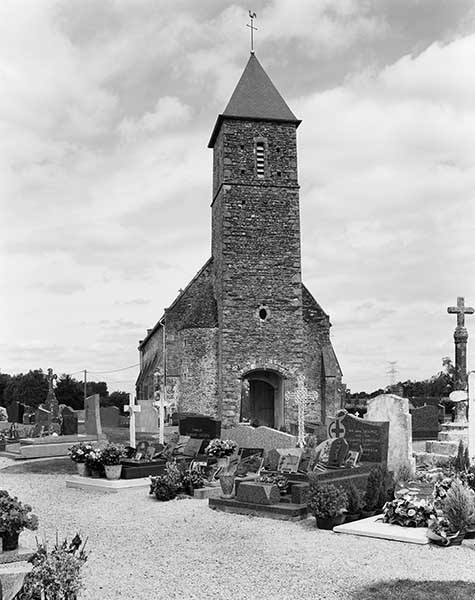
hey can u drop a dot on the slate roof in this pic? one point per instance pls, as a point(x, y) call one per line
point(255, 97)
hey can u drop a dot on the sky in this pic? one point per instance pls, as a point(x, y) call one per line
point(105, 176)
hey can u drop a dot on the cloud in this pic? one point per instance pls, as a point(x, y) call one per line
point(60, 287)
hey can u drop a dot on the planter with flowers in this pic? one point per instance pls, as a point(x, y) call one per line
point(327, 503)
point(407, 511)
point(14, 517)
point(110, 458)
point(222, 450)
point(94, 463)
point(78, 454)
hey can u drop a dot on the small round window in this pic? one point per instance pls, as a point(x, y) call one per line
point(263, 313)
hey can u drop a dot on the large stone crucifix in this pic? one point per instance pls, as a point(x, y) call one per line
point(51, 400)
point(460, 339)
point(302, 398)
point(132, 408)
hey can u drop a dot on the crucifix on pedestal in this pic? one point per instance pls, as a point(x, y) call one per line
point(159, 405)
point(460, 339)
point(132, 408)
point(302, 398)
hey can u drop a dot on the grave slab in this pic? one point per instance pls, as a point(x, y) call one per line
point(373, 527)
point(207, 492)
point(110, 486)
point(47, 450)
point(11, 578)
point(58, 439)
point(20, 554)
point(282, 511)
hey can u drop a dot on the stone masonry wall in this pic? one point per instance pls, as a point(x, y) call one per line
point(256, 251)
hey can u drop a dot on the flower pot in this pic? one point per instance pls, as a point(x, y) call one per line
point(9, 540)
point(227, 485)
point(113, 471)
point(329, 523)
point(367, 513)
point(350, 517)
point(95, 473)
point(82, 469)
point(451, 540)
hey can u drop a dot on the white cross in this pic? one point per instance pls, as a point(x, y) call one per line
point(132, 409)
point(302, 398)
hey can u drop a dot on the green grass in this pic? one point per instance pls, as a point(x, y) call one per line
point(405, 589)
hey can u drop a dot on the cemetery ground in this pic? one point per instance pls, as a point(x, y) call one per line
point(141, 549)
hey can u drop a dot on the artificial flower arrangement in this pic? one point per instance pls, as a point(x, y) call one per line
point(441, 487)
point(15, 516)
point(406, 511)
point(278, 479)
point(112, 454)
point(79, 452)
point(221, 448)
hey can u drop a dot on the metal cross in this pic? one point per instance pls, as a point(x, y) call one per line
point(252, 16)
point(460, 310)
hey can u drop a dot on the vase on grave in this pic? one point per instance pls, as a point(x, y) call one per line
point(113, 471)
point(9, 540)
point(95, 473)
point(223, 463)
point(226, 480)
point(82, 469)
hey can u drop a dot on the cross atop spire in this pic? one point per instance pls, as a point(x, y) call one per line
point(252, 16)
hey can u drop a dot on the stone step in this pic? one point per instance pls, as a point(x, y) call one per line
point(453, 436)
point(454, 427)
point(429, 458)
point(446, 448)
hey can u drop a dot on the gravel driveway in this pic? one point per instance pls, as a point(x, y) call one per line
point(142, 549)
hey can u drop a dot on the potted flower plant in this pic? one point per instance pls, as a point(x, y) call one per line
point(110, 458)
point(78, 454)
point(327, 503)
point(94, 462)
point(14, 517)
point(222, 450)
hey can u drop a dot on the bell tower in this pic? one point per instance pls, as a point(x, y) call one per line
point(256, 245)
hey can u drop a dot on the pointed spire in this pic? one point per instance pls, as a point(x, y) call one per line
point(255, 98)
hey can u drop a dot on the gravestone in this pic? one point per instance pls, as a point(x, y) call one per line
point(15, 412)
point(338, 453)
point(146, 421)
point(280, 458)
point(69, 421)
point(93, 415)
point(3, 414)
point(425, 422)
point(200, 427)
point(110, 416)
point(43, 418)
point(369, 437)
point(260, 437)
point(395, 410)
point(258, 493)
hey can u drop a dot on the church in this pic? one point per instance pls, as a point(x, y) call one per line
point(237, 338)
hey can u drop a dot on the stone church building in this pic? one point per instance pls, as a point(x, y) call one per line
point(234, 341)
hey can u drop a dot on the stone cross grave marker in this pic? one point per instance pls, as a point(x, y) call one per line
point(460, 340)
point(460, 397)
point(132, 409)
point(302, 398)
point(51, 400)
point(471, 415)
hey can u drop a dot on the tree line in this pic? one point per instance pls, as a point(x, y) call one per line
point(32, 388)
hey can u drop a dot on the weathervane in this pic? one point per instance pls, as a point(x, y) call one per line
point(252, 16)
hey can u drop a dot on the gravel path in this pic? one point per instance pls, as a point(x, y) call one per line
point(142, 549)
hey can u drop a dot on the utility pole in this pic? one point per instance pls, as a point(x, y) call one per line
point(392, 372)
point(85, 387)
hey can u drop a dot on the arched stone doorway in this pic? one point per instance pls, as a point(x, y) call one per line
point(262, 398)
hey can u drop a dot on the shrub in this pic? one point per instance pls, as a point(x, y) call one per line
point(163, 488)
point(379, 488)
point(462, 460)
point(325, 500)
point(459, 507)
point(112, 454)
point(354, 497)
point(56, 574)
point(15, 516)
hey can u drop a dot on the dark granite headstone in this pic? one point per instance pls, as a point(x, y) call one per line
point(258, 493)
point(369, 436)
point(425, 422)
point(43, 418)
point(338, 453)
point(15, 412)
point(69, 421)
point(110, 416)
point(245, 452)
point(204, 428)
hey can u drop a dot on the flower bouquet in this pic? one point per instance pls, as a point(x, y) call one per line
point(408, 512)
point(221, 448)
point(78, 453)
point(440, 533)
point(441, 487)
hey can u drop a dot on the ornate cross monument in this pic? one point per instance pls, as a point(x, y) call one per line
point(132, 408)
point(51, 400)
point(460, 339)
point(302, 398)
